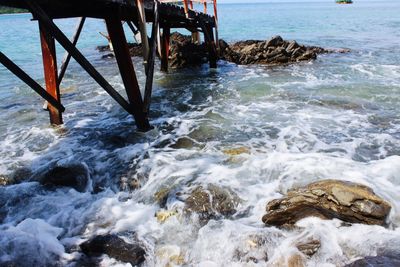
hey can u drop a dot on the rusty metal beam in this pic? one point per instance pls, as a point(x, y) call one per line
point(121, 51)
point(66, 43)
point(17, 71)
point(165, 48)
point(143, 31)
point(50, 72)
point(152, 55)
point(67, 56)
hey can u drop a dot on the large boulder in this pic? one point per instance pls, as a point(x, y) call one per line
point(390, 260)
point(328, 199)
point(74, 175)
point(212, 202)
point(115, 247)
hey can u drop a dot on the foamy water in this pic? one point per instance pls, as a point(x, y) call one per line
point(337, 118)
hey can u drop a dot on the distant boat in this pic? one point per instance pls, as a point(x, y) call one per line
point(344, 2)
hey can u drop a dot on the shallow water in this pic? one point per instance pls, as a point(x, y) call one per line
point(336, 117)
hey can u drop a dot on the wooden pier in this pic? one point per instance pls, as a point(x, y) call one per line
point(163, 15)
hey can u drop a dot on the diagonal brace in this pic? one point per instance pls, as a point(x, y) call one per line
point(17, 71)
point(38, 12)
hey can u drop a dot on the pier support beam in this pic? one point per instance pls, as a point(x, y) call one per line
point(67, 56)
point(50, 72)
point(212, 50)
point(165, 48)
point(125, 65)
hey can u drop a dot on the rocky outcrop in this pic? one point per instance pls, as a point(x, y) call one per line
point(73, 175)
point(274, 51)
point(212, 202)
point(328, 199)
point(184, 53)
point(390, 260)
point(115, 247)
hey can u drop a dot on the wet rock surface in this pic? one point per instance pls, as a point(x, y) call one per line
point(115, 247)
point(73, 175)
point(18, 176)
point(391, 260)
point(328, 199)
point(309, 247)
point(184, 53)
point(212, 202)
point(274, 51)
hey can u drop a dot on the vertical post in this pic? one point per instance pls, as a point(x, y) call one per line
point(150, 72)
point(205, 7)
point(195, 35)
point(125, 65)
point(212, 51)
point(143, 31)
point(50, 72)
point(165, 48)
point(216, 24)
point(186, 8)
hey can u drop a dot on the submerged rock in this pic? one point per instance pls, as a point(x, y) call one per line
point(73, 175)
point(212, 202)
point(328, 199)
point(115, 247)
point(391, 260)
point(18, 176)
point(236, 151)
point(309, 247)
point(3, 180)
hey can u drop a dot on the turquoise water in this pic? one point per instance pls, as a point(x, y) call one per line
point(337, 117)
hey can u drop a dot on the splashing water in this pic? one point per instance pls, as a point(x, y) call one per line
point(336, 117)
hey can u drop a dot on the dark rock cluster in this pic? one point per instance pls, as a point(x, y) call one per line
point(274, 51)
point(184, 53)
point(115, 247)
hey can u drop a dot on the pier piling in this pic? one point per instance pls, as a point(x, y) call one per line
point(163, 14)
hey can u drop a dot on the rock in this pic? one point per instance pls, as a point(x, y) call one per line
point(115, 247)
point(328, 199)
point(184, 53)
point(308, 55)
point(295, 260)
point(275, 51)
point(18, 176)
point(275, 41)
point(212, 202)
point(184, 143)
point(236, 151)
point(163, 215)
point(292, 46)
point(309, 247)
point(3, 180)
point(74, 175)
point(390, 260)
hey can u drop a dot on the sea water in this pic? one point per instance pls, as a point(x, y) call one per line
point(336, 117)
